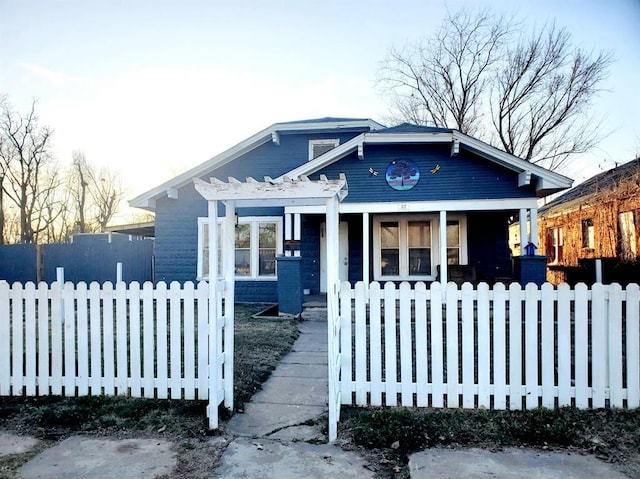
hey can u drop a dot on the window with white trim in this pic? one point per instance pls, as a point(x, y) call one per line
point(554, 245)
point(320, 147)
point(258, 241)
point(407, 247)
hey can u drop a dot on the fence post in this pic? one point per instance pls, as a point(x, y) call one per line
point(118, 272)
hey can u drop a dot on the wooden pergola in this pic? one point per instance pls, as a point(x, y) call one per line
point(268, 193)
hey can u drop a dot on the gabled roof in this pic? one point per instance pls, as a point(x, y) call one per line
point(148, 199)
point(590, 188)
point(545, 181)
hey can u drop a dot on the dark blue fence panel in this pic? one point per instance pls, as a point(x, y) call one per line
point(18, 262)
point(95, 257)
point(91, 257)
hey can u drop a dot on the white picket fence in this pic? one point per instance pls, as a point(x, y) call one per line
point(490, 348)
point(144, 342)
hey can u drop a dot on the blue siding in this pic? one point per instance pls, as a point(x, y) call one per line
point(462, 177)
point(176, 242)
point(310, 252)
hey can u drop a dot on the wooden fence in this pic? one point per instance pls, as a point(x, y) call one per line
point(145, 342)
point(494, 348)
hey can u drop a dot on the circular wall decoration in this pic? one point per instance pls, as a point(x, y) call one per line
point(402, 175)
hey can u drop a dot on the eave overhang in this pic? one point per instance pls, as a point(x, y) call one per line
point(170, 188)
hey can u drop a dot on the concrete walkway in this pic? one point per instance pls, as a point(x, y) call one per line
point(273, 433)
point(295, 397)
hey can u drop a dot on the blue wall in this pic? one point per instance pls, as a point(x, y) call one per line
point(462, 177)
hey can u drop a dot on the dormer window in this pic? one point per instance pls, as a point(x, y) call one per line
point(320, 147)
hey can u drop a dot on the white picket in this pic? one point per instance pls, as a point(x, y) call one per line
point(547, 345)
point(406, 347)
point(108, 305)
point(532, 343)
point(43, 338)
point(175, 341)
point(516, 347)
point(375, 344)
point(161, 341)
point(467, 346)
point(203, 340)
point(390, 364)
point(122, 342)
point(56, 339)
point(17, 340)
point(69, 331)
point(633, 345)
point(135, 376)
point(95, 325)
point(599, 329)
point(451, 328)
point(581, 352)
point(346, 332)
point(82, 339)
point(360, 344)
point(189, 364)
point(149, 333)
point(437, 349)
point(422, 358)
point(499, 347)
point(30, 344)
point(484, 346)
point(564, 345)
point(614, 354)
point(5, 339)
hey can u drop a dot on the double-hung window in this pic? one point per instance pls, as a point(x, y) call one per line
point(258, 240)
point(403, 247)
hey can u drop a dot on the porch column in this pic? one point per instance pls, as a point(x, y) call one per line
point(533, 220)
point(365, 249)
point(444, 277)
point(524, 235)
point(287, 231)
point(333, 321)
point(214, 380)
point(229, 272)
point(297, 231)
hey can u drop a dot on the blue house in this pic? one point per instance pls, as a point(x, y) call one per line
point(422, 203)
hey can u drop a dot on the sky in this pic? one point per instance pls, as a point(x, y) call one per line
point(153, 88)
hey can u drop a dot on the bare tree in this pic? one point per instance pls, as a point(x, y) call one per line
point(541, 98)
point(482, 74)
point(25, 158)
point(96, 194)
point(106, 193)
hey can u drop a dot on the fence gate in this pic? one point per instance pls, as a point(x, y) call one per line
point(270, 193)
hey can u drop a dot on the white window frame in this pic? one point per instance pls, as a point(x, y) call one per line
point(403, 222)
point(329, 141)
point(557, 242)
point(255, 222)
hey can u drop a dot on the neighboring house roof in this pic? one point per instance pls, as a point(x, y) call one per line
point(147, 200)
point(146, 229)
point(545, 181)
point(589, 189)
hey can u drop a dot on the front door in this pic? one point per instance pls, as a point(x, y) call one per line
point(343, 270)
